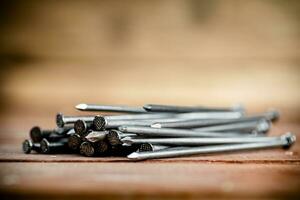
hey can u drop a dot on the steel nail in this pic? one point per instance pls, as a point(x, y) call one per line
point(74, 142)
point(95, 136)
point(62, 120)
point(54, 147)
point(170, 132)
point(87, 149)
point(103, 125)
point(99, 148)
point(81, 127)
point(186, 109)
point(196, 123)
point(260, 126)
point(197, 141)
point(109, 108)
point(286, 141)
point(29, 145)
point(108, 122)
point(37, 134)
point(210, 115)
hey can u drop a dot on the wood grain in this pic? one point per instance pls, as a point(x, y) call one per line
point(252, 174)
point(150, 180)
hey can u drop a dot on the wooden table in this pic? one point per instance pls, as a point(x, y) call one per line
point(253, 174)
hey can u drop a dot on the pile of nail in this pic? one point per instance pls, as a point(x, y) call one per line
point(157, 131)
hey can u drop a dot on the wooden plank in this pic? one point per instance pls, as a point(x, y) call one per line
point(253, 174)
point(149, 179)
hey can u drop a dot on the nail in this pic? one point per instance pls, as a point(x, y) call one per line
point(95, 136)
point(210, 115)
point(74, 142)
point(186, 109)
point(147, 116)
point(286, 141)
point(63, 131)
point(81, 127)
point(98, 148)
point(62, 120)
point(54, 147)
point(109, 108)
point(114, 137)
point(105, 122)
point(87, 149)
point(37, 134)
point(196, 141)
point(170, 132)
point(260, 126)
point(151, 147)
point(29, 145)
point(196, 123)
point(102, 124)
point(101, 147)
point(109, 122)
point(70, 132)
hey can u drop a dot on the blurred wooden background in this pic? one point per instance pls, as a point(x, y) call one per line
point(55, 54)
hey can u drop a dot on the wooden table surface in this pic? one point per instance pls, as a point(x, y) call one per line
point(252, 174)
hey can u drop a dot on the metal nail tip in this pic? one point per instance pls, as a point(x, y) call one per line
point(133, 156)
point(126, 141)
point(156, 125)
point(81, 106)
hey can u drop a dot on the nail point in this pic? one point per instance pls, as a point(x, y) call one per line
point(133, 156)
point(81, 106)
point(126, 141)
point(156, 125)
